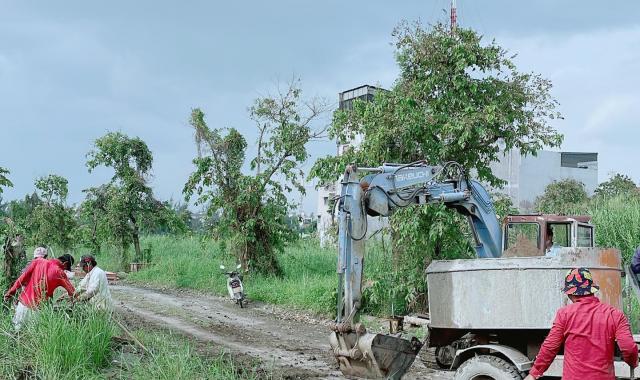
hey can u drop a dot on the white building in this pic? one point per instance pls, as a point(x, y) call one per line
point(327, 193)
point(528, 176)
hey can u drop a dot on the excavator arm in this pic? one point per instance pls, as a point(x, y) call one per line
point(377, 192)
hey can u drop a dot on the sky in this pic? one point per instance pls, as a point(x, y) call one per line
point(72, 71)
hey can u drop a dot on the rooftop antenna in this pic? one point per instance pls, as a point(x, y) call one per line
point(454, 17)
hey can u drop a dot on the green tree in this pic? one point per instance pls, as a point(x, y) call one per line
point(11, 238)
point(252, 208)
point(94, 226)
point(52, 222)
point(618, 184)
point(565, 196)
point(4, 181)
point(128, 199)
point(456, 99)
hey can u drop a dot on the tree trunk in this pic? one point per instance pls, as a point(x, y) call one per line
point(136, 239)
point(94, 236)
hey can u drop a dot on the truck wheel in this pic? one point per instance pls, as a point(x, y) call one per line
point(487, 367)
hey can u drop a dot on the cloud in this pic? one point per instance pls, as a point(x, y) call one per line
point(595, 80)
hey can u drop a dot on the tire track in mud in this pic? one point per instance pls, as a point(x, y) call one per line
point(291, 348)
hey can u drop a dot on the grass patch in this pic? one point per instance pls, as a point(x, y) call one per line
point(76, 344)
point(173, 357)
point(56, 345)
point(309, 281)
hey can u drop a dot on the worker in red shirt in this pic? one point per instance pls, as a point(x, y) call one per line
point(40, 280)
point(589, 331)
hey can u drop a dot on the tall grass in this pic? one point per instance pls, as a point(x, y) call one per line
point(617, 222)
point(56, 345)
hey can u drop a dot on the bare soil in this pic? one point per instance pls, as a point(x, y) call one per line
point(286, 344)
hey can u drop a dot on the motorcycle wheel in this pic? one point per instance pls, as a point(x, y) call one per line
point(240, 302)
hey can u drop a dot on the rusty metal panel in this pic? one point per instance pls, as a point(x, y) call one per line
point(514, 293)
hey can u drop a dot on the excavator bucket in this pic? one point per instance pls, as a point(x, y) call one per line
point(373, 356)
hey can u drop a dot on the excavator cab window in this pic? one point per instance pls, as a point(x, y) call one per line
point(523, 239)
point(561, 234)
point(585, 235)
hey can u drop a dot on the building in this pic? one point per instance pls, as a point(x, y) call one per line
point(327, 193)
point(528, 176)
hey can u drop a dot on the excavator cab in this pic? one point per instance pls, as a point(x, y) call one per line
point(544, 234)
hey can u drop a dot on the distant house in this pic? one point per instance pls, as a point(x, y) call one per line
point(528, 176)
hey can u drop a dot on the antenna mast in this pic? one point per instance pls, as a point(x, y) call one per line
point(454, 16)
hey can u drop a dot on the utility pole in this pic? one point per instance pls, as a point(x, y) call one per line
point(454, 17)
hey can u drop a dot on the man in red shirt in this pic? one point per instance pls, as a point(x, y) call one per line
point(40, 280)
point(589, 331)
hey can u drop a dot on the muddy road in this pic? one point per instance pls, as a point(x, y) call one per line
point(291, 345)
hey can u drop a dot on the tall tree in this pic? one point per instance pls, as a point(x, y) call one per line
point(457, 98)
point(252, 208)
point(52, 222)
point(129, 199)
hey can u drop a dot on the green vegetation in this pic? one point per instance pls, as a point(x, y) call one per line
point(173, 357)
point(56, 344)
point(308, 281)
point(76, 343)
point(251, 208)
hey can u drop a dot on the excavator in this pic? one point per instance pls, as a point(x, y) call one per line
point(378, 193)
point(488, 317)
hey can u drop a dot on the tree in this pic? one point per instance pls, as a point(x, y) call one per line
point(12, 240)
point(252, 208)
point(456, 99)
point(563, 196)
point(4, 181)
point(94, 225)
point(128, 200)
point(51, 221)
point(618, 184)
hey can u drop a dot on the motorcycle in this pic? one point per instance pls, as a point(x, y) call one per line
point(234, 285)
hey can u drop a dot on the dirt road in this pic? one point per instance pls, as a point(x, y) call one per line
point(293, 346)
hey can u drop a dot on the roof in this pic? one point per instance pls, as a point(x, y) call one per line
point(547, 217)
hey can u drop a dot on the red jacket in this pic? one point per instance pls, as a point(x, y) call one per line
point(40, 280)
point(589, 330)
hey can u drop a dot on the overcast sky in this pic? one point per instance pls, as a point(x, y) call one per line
point(72, 71)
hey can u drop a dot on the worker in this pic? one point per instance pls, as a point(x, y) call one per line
point(94, 287)
point(589, 331)
point(40, 280)
point(550, 248)
point(67, 261)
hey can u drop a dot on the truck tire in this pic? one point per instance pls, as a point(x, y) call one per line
point(487, 367)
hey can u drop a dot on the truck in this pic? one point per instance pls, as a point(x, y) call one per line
point(486, 320)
